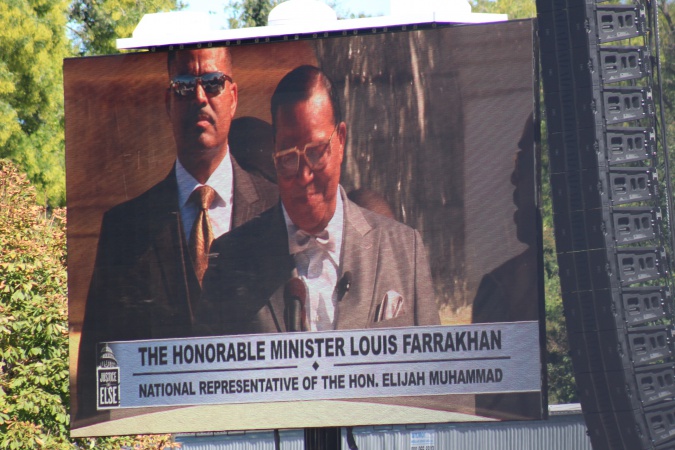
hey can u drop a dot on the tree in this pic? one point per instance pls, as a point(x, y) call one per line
point(33, 319)
point(33, 44)
point(34, 382)
point(96, 24)
point(250, 13)
point(561, 381)
point(516, 9)
point(254, 13)
point(667, 36)
point(667, 58)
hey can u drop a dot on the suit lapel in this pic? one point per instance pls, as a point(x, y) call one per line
point(170, 247)
point(278, 264)
point(359, 256)
point(245, 195)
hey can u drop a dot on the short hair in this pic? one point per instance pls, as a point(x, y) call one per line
point(171, 58)
point(297, 85)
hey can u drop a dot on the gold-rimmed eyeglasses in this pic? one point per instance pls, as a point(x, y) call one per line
point(316, 155)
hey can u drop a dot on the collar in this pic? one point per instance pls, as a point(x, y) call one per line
point(221, 180)
point(334, 229)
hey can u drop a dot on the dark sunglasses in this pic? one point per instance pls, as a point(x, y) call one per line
point(213, 84)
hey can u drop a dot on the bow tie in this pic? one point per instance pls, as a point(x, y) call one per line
point(301, 240)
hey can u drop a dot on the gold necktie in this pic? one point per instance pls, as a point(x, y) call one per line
point(201, 236)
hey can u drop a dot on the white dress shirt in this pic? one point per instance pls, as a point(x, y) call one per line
point(220, 212)
point(317, 260)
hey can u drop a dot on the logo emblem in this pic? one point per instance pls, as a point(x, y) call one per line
point(107, 380)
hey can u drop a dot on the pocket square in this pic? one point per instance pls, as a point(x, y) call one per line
point(391, 307)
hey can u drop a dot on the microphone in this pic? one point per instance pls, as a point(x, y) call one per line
point(344, 284)
point(295, 296)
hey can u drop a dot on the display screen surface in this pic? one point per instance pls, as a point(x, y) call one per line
point(413, 296)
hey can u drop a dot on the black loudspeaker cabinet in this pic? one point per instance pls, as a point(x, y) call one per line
point(614, 269)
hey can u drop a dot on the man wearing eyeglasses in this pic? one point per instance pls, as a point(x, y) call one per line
point(153, 250)
point(317, 261)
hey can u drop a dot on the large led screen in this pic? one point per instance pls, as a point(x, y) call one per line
point(367, 250)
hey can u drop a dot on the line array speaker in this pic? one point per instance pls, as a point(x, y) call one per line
point(614, 269)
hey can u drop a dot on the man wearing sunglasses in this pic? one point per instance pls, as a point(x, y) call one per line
point(316, 261)
point(153, 250)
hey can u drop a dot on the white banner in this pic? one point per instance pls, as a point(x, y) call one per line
point(485, 358)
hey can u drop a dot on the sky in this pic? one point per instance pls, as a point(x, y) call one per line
point(219, 19)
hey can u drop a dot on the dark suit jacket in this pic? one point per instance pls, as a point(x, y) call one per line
point(243, 287)
point(144, 285)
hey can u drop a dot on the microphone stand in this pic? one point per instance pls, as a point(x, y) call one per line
point(295, 296)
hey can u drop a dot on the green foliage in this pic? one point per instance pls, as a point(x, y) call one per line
point(667, 36)
point(254, 13)
point(33, 44)
point(516, 9)
point(561, 382)
point(250, 13)
point(667, 56)
point(96, 24)
point(33, 319)
point(34, 382)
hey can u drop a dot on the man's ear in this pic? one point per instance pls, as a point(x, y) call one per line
point(342, 137)
point(234, 92)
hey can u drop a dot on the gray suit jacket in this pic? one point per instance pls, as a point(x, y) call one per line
point(144, 285)
point(243, 287)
